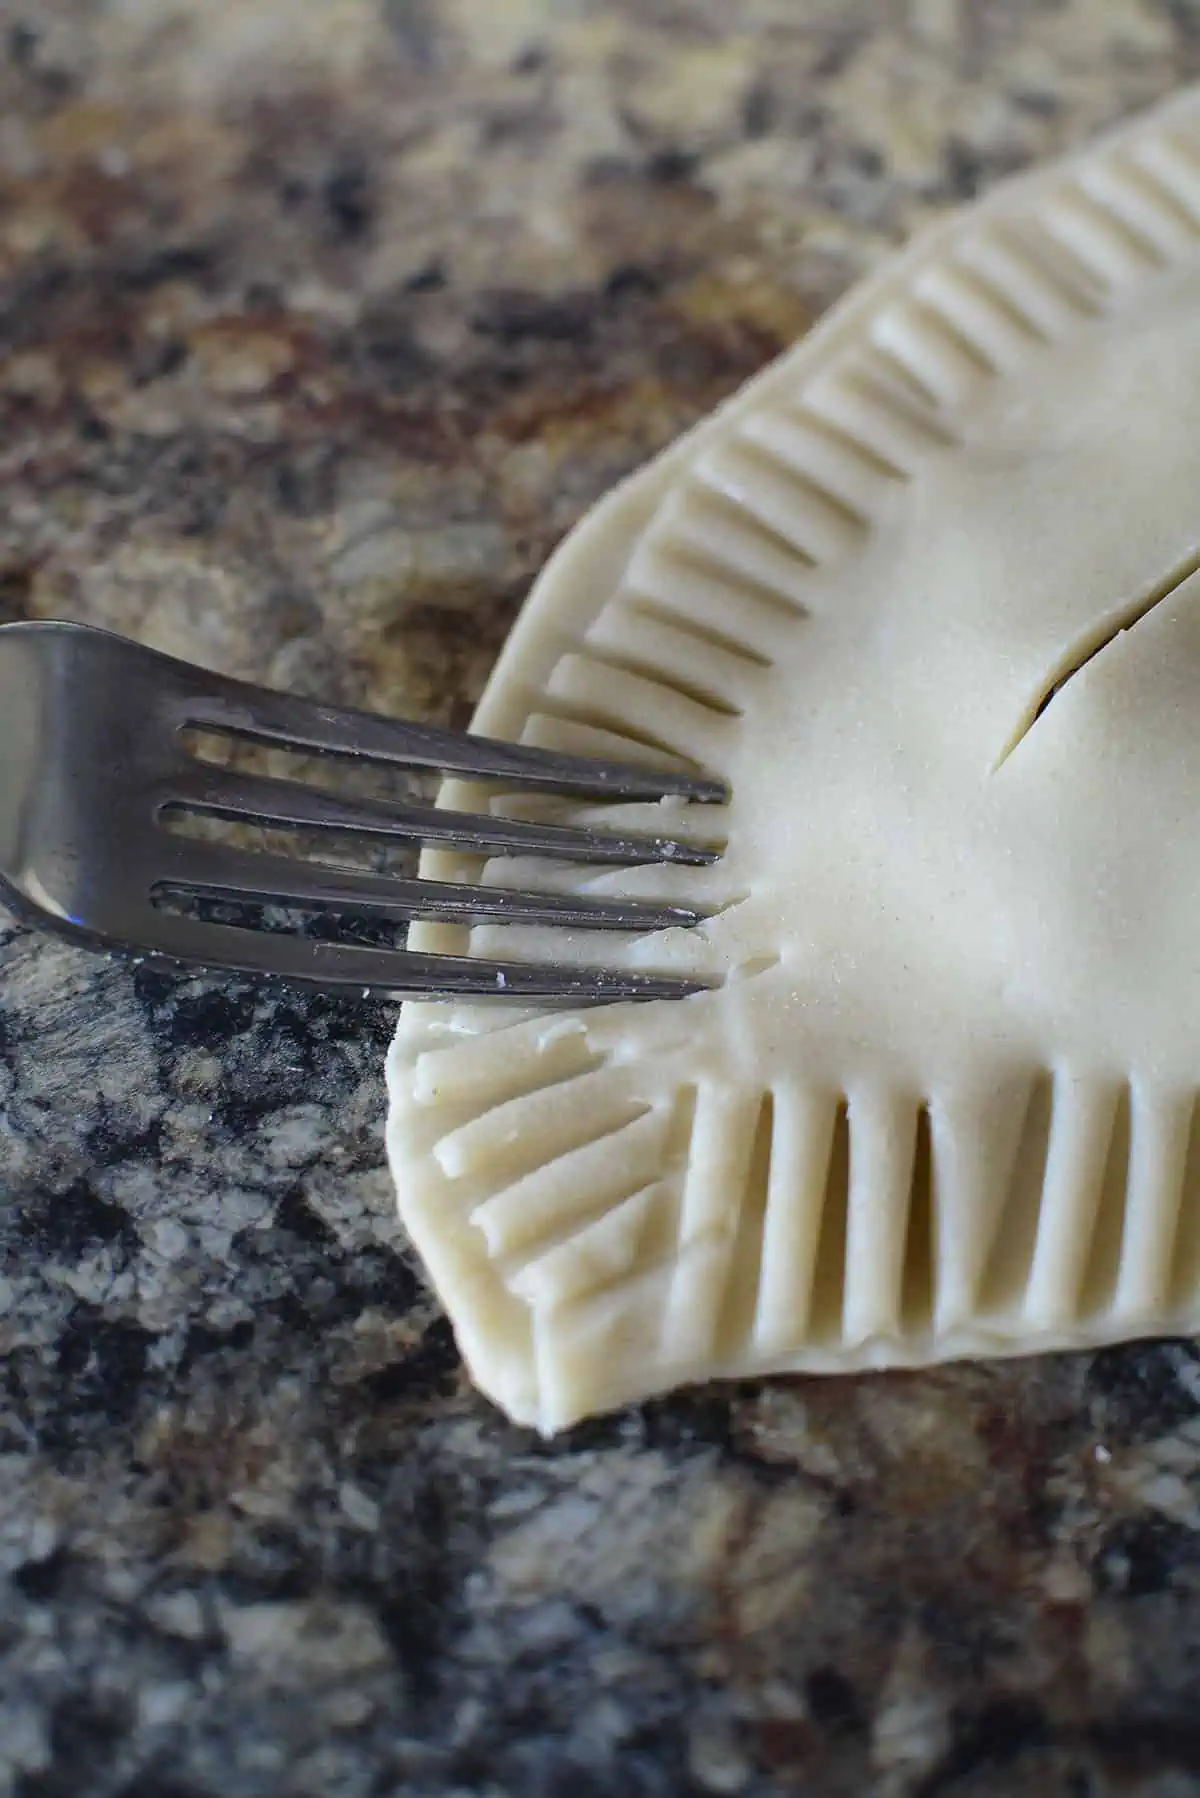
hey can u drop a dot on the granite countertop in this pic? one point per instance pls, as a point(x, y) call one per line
point(319, 324)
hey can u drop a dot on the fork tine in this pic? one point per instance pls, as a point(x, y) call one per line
point(357, 969)
point(225, 793)
point(263, 716)
point(220, 872)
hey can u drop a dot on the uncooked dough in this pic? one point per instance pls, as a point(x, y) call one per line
point(927, 592)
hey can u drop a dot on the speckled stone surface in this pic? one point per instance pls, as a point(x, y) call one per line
point(319, 323)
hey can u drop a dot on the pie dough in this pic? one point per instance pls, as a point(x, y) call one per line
point(927, 592)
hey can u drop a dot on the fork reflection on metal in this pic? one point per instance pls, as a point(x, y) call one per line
point(95, 765)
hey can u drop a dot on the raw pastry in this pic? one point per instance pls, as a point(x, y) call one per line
point(927, 593)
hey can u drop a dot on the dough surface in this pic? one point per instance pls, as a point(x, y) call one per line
point(927, 593)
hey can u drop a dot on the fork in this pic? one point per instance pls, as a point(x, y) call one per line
point(94, 765)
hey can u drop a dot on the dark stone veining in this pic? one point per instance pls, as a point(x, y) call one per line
point(318, 326)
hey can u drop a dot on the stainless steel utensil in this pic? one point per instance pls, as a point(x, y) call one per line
point(93, 763)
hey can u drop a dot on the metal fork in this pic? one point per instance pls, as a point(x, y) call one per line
point(93, 764)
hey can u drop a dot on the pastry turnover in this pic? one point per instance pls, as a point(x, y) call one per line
point(927, 592)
